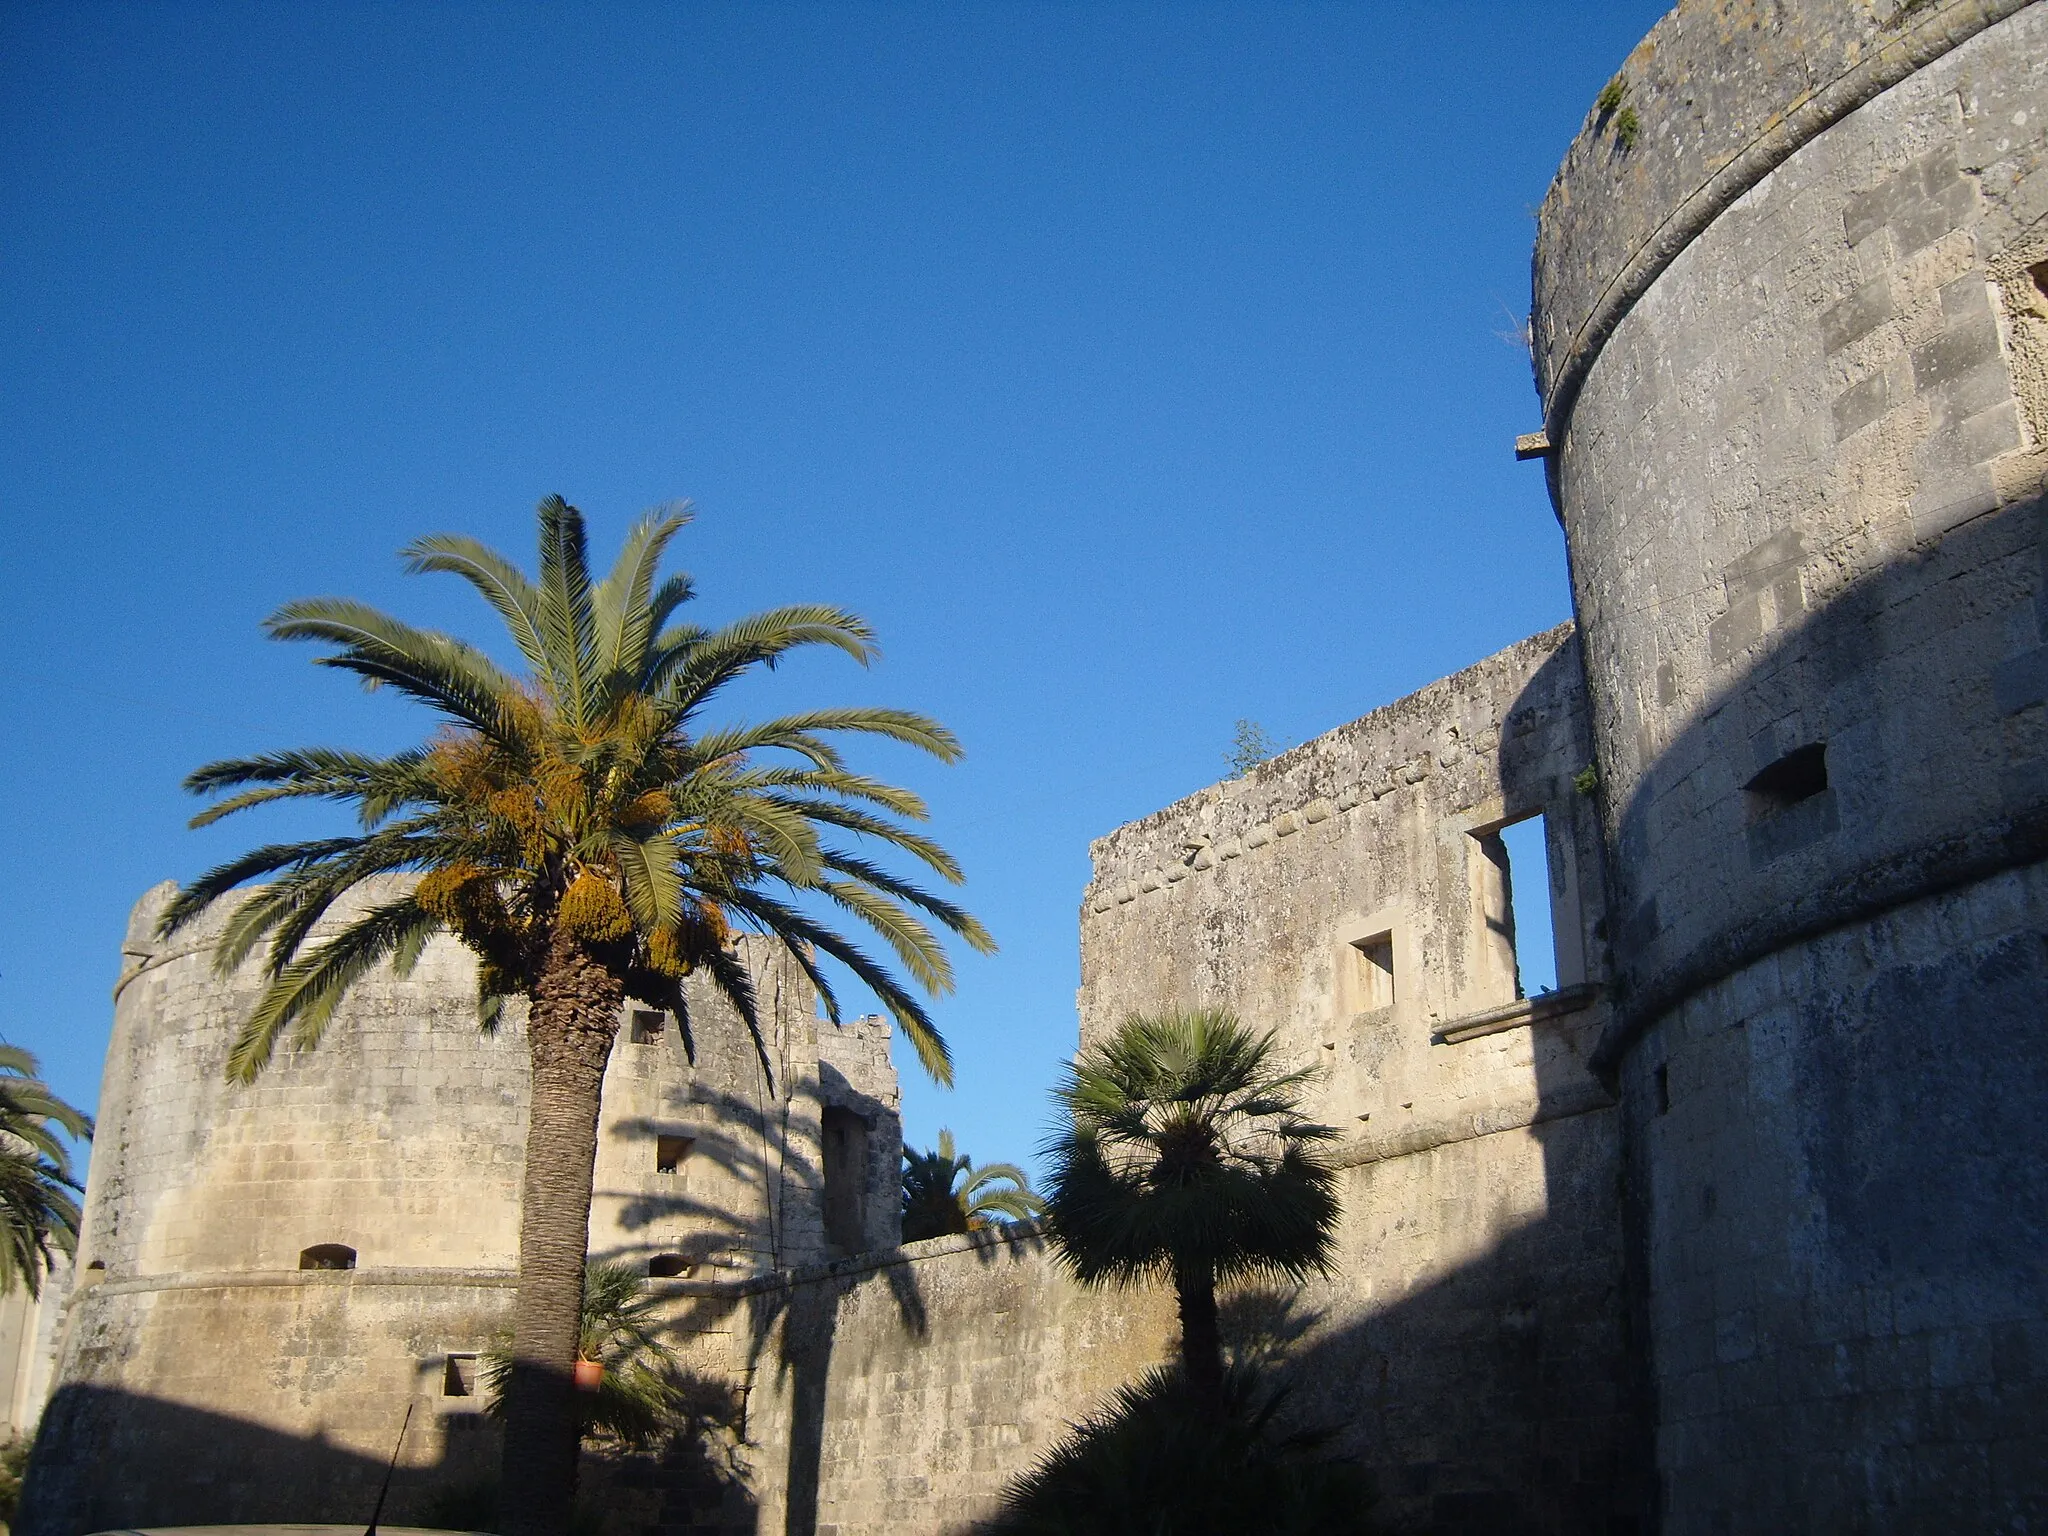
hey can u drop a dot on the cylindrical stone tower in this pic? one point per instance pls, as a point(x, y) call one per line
point(269, 1273)
point(1791, 334)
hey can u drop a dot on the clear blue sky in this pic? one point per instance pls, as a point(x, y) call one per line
point(1133, 368)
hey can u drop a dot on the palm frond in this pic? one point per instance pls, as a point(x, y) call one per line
point(503, 585)
point(303, 998)
point(438, 670)
point(567, 626)
point(626, 617)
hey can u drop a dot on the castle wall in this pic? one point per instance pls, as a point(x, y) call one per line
point(195, 1341)
point(896, 1395)
point(1799, 466)
point(1473, 1345)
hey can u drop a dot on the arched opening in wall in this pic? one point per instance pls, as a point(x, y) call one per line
point(846, 1179)
point(670, 1266)
point(328, 1256)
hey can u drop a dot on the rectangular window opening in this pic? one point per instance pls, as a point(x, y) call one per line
point(845, 1136)
point(647, 1026)
point(458, 1376)
point(1799, 775)
point(1531, 931)
point(1663, 1090)
point(671, 1151)
point(1373, 971)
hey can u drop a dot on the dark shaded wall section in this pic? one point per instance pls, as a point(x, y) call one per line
point(1800, 471)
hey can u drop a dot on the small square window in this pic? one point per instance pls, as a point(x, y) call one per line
point(1373, 971)
point(1799, 775)
point(647, 1027)
point(670, 1151)
point(458, 1376)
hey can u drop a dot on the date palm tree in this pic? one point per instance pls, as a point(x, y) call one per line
point(944, 1192)
point(1186, 1158)
point(582, 830)
point(38, 1195)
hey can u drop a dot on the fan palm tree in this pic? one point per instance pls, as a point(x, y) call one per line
point(936, 1202)
point(639, 1392)
point(38, 1195)
point(590, 838)
point(1186, 1158)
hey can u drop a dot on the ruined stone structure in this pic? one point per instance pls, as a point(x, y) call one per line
point(1740, 1228)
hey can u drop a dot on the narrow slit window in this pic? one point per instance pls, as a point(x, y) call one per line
point(670, 1152)
point(1372, 969)
point(458, 1376)
point(1799, 775)
point(647, 1027)
point(1528, 878)
point(669, 1266)
point(328, 1256)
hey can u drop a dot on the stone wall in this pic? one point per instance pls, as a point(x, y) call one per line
point(896, 1394)
point(195, 1339)
point(1800, 464)
point(1719, 94)
point(1473, 1347)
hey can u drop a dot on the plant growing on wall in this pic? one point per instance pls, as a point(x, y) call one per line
point(591, 838)
point(1186, 1158)
point(38, 1195)
point(943, 1192)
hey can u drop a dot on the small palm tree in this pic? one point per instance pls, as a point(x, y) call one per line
point(38, 1195)
point(640, 1391)
point(1187, 1158)
point(590, 838)
point(936, 1202)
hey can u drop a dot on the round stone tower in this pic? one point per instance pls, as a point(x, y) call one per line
point(269, 1273)
point(1791, 334)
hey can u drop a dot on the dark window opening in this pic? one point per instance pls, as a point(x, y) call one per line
point(846, 1180)
point(1799, 775)
point(458, 1376)
point(668, 1266)
point(2038, 273)
point(669, 1152)
point(646, 1027)
point(328, 1256)
point(97, 1264)
point(1663, 1090)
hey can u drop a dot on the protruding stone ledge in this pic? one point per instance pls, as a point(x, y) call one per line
point(1525, 1010)
point(1579, 1097)
point(89, 1282)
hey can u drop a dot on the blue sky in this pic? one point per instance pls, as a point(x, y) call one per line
point(1133, 368)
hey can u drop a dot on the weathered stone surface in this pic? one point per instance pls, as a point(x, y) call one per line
point(1471, 1347)
point(1832, 1075)
point(198, 1357)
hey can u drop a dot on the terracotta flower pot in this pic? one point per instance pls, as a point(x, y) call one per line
point(589, 1375)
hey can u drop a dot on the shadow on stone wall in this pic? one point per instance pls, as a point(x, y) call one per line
point(235, 1471)
point(238, 1472)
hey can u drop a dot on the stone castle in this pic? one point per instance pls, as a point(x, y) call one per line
point(1740, 1228)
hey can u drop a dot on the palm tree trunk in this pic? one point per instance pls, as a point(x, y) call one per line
point(575, 1013)
point(1201, 1340)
